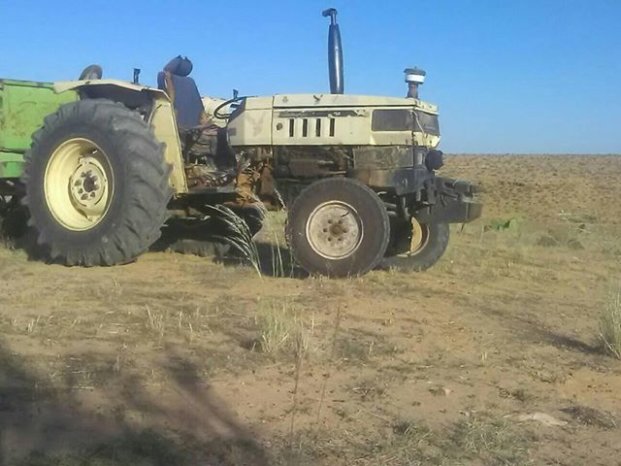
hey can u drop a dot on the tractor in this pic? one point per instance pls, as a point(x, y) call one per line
point(101, 165)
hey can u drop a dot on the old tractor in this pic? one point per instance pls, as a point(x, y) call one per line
point(101, 165)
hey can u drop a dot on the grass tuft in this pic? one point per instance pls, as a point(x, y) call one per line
point(494, 440)
point(282, 328)
point(610, 324)
point(239, 236)
point(155, 321)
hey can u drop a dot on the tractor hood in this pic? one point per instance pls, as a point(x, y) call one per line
point(347, 100)
point(334, 119)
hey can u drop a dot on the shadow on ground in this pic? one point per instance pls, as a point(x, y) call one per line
point(277, 261)
point(273, 261)
point(533, 330)
point(62, 424)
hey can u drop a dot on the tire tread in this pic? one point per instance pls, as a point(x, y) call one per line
point(144, 209)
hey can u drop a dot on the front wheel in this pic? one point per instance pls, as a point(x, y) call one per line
point(338, 227)
point(416, 246)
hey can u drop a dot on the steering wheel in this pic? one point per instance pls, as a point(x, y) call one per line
point(225, 116)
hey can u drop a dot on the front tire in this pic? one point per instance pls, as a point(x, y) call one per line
point(96, 184)
point(338, 227)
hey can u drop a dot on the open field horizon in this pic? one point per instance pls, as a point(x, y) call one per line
point(532, 154)
point(492, 357)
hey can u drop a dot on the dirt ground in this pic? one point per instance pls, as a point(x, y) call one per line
point(493, 357)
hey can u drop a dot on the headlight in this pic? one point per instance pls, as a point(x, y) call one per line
point(434, 160)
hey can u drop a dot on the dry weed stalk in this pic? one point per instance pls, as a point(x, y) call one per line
point(324, 385)
point(299, 356)
point(239, 236)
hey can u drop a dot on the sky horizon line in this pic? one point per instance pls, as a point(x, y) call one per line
point(528, 76)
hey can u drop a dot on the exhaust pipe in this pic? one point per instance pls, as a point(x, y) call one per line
point(335, 53)
point(415, 77)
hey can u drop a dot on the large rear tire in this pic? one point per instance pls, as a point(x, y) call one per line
point(338, 227)
point(96, 184)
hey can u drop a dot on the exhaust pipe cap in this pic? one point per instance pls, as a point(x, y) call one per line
point(415, 75)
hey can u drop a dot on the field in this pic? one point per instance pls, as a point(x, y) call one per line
point(493, 357)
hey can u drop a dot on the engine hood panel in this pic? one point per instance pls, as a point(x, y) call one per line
point(347, 100)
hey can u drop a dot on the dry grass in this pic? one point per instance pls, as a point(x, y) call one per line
point(277, 260)
point(610, 324)
point(239, 237)
point(495, 441)
point(483, 440)
point(283, 329)
point(391, 368)
point(273, 261)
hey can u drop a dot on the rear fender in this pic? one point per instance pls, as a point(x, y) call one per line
point(161, 116)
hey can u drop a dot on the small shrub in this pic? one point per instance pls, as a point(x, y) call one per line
point(501, 224)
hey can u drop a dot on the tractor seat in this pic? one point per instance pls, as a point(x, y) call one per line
point(200, 143)
point(183, 91)
point(91, 72)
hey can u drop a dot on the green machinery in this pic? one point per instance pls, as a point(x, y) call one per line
point(23, 106)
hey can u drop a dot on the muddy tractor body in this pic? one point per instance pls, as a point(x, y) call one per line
point(102, 164)
point(386, 144)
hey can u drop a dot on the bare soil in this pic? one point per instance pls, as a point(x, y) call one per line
point(493, 357)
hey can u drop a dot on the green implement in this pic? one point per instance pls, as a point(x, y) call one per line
point(23, 106)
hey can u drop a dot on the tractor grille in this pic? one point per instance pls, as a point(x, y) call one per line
point(404, 119)
point(312, 127)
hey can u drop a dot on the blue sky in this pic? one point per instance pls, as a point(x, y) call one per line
point(509, 76)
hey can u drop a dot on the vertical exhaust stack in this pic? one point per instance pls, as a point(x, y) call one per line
point(414, 77)
point(335, 54)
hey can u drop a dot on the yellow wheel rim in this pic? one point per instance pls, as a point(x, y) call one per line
point(420, 238)
point(78, 184)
